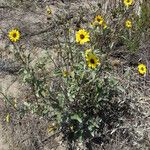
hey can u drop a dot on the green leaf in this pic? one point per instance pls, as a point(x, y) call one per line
point(27, 104)
point(121, 89)
point(76, 117)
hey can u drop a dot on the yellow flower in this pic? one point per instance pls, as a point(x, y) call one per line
point(87, 52)
point(104, 25)
point(128, 24)
point(99, 19)
point(128, 2)
point(71, 127)
point(8, 118)
point(142, 69)
point(48, 10)
point(65, 73)
point(14, 35)
point(52, 127)
point(82, 36)
point(92, 24)
point(92, 60)
point(68, 73)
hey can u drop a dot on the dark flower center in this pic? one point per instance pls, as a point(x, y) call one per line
point(14, 35)
point(92, 61)
point(142, 68)
point(98, 20)
point(82, 36)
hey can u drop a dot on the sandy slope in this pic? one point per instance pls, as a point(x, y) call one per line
point(3, 144)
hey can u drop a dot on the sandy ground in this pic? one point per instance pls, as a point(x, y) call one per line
point(3, 144)
point(9, 86)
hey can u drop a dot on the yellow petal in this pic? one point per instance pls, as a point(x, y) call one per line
point(8, 118)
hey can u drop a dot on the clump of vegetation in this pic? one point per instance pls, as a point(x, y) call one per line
point(75, 88)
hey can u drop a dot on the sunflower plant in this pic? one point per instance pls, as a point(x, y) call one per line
point(85, 96)
point(92, 60)
point(142, 69)
point(78, 91)
point(78, 94)
point(82, 36)
point(83, 100)
point(14, 35)
point(128, 24)
point(128, 3)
